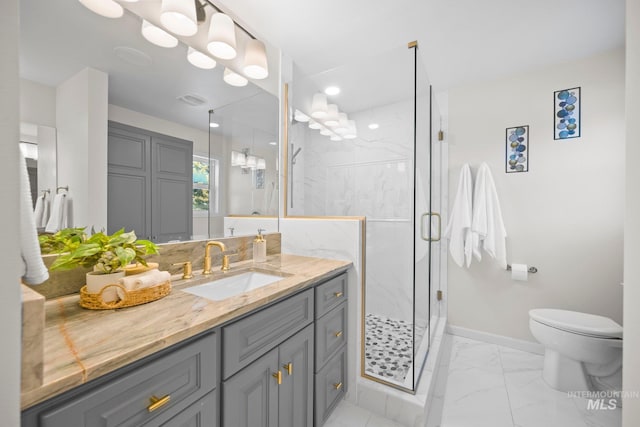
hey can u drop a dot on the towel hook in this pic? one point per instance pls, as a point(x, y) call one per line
point(530, 270)
point(46, 191)
point(65, 188)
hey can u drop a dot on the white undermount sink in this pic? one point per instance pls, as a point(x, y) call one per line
point(233, 285)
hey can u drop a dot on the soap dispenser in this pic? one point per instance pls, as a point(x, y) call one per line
point(260, 247)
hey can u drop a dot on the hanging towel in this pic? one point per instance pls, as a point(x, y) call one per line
point(487, 226)
point(58, 219)
point(45, 211)
point(459, 228)
point(34, 271)
point(38, 211)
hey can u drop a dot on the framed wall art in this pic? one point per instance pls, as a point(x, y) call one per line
point(566, 113)
point(517, 149)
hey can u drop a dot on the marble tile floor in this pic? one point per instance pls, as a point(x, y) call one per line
point(481, 384)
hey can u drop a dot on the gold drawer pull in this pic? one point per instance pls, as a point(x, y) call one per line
point(289, 368)
point(337, 386)
point(278, 377)
point(338, 334)
point(158, 402)
point(338, 294)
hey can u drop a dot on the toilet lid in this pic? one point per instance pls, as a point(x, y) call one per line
point(581, 323)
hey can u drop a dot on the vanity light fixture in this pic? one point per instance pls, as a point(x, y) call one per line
point(314, 125)
point(301, 117)
point(157, 35)
point(352, 133)
point(106, 8)
point(262, 164)
point(234, 79)
point(325, 132)
point(200, 60)
point(252, 162)
point(179, 17)
point(222, 36)
point(332, 118)
point(336, 138)
point(332, 90)
point(319, 106)
point(238, 159)
point(255, 60)
point(343, 124)
point(373, 126)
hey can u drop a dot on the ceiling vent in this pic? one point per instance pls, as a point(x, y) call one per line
point(192, 100)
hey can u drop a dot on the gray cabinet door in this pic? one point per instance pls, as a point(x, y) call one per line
point(203, 413)
point(172, 189)
point(129, 181)
point(295, 396)
point(250, 397)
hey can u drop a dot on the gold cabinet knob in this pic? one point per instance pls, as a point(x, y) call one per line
point(338, 334)
point(338, 294)
point(158, 402)
point(289, 368)
point(337, 386)
point(278, 377)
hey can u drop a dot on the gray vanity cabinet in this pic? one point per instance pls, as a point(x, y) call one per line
point(274, 391)
point(149, 184)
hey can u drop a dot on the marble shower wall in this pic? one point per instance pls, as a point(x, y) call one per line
point(369, 176)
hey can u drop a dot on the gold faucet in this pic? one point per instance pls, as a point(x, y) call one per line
point(207, 257)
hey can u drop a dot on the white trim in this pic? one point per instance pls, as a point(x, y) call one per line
point(531, 347)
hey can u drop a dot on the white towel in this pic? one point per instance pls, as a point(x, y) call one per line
point(45, 211)
point(459, 228)
point(59, 212)
point(38, 211)
point(34, 271)
point(487, 225)
point(143, 280)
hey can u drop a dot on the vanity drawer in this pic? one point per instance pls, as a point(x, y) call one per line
point(331, 386)
point(185, 375)
point(247, 339)
point(203, 413)
point(331, 334)
point(330, 294)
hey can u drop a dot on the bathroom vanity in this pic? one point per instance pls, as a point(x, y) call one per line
point(275, 356)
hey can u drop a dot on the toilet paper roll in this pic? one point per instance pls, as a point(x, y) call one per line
point(519, 272)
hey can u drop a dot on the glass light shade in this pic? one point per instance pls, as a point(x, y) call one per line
point(255, 60)
point(106, 8)
point(319, 106)
point(352, 133)
point(200, 60)
point(300, 116)
point(157, 35)
point(343, 124)
point(238, 159)
point(325, 132)
point(222, 37)
point(336, 138)
point(262, 164)
point(314, 125)
point(252, 162)
point(333, 117)
point(179, 17)
point(234, 79)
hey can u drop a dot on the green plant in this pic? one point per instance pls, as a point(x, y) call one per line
point(106, 254)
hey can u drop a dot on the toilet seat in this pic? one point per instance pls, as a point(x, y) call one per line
point(578, 323)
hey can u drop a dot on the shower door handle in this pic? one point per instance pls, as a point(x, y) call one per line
point(427, 238)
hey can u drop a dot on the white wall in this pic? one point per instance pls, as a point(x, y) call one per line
point(10, 259)
point(565, 216)
point(631, 371)
point(37, 103)
point(81, 122)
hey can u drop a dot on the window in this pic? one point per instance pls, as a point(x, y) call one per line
point(205, 185)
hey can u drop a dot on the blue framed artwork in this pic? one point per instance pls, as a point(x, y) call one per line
point(517, 149)
point(566, 113)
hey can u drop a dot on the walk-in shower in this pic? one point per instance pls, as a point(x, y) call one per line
point(378, 161)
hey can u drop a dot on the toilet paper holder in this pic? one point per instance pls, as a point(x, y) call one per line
point(530, 270)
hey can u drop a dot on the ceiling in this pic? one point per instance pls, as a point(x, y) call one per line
point(59, 38)
point(460, 41)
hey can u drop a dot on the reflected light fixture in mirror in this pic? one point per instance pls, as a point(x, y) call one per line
point(319, 106)
point(325, 132)
point(332, 118)
point(343, 124)
point(352, 133)
point(157, 35)
point(255, 60)
point(261, 165)
point(106, 8)
point(200, 60)
point(300, 116)
point(336, 138)
point(222, 37)
point(179, 17)
point(234, 79)
point(314, 125)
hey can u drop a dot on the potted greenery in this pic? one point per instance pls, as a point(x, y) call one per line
point(107, 255)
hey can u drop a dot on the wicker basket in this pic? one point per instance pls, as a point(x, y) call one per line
point(131, 297)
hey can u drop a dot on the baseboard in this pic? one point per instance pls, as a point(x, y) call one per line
point(531, 347)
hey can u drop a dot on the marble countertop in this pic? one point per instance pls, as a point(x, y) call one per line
point(81, 345)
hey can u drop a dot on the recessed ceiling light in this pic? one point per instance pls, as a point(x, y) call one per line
point(273, 143)
point(374, 126)
point(214, 125)
point(332, 90)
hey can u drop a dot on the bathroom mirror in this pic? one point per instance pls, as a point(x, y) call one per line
point(158, 90)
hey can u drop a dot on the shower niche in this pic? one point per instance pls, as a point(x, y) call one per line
point(377, 158)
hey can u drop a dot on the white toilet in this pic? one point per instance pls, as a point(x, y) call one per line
point(583, 352)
